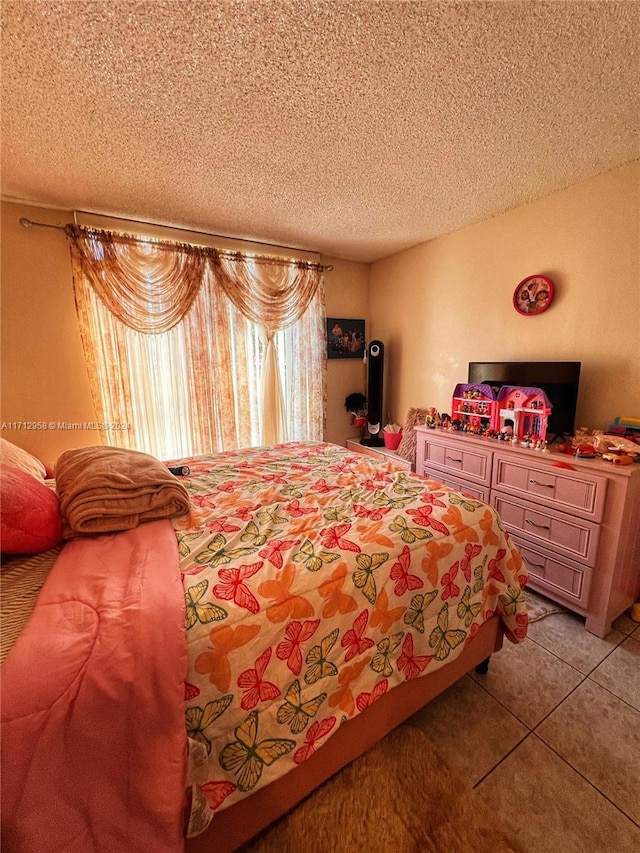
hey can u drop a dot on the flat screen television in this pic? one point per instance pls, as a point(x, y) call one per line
point(558, 379)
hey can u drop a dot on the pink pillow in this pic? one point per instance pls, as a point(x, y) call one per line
point(29, 513)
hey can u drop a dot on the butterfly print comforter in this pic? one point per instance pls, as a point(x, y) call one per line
point(315, 580)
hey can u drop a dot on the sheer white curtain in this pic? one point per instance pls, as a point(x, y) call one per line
point(302, 359)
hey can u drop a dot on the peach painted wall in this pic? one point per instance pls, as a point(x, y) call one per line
point(444, 303)
point(347, 296)
point(436, 307)
point(44, 379)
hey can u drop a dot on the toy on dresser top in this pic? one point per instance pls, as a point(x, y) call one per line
point(625, 427)
point(519, 415)
point(516, 413)
point(611, 448)
point(474, 409)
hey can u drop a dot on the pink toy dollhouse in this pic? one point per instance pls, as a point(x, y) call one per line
point(474, 408)
point(523, 414)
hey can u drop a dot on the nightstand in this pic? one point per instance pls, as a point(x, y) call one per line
point(379, 453)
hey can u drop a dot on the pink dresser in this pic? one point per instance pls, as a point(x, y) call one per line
point(578, 530)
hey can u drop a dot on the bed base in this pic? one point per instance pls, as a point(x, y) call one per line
point(239, 823)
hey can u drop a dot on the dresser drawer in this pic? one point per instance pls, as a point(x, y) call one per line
point(562, 579)
point(454, 457)
point(568, 491)
point(472, 490)
point(571, 535)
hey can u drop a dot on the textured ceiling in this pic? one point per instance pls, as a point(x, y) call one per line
point(351, 128)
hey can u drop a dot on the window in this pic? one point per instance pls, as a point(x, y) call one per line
point(196, 388)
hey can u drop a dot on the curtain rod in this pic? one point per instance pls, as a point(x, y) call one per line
point(28, 223)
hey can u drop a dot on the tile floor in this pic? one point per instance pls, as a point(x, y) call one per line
point(550, 736)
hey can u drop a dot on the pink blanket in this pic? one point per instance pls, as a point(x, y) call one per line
point(94, 747)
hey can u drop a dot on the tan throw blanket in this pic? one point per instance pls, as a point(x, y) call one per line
point(106, 489)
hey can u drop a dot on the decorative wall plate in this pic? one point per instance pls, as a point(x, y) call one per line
point(533, 295)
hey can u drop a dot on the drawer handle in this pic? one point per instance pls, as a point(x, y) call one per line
point(545, 485)
point(452, 459)
point(535, 565)
point(541, 526)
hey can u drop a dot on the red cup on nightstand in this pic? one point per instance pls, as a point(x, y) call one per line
point(391, 439)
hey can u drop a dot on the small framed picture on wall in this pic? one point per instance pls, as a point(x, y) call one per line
point(345, 338)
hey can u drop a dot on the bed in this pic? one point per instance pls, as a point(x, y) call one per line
point(324, 597)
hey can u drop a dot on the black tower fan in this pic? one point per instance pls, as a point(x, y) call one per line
point(375, 367)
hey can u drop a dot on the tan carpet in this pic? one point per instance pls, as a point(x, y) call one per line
point(399, 797)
